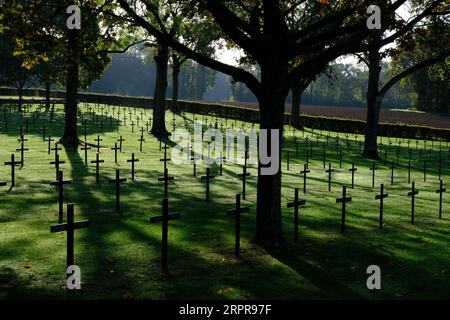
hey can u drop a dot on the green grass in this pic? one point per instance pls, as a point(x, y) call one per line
point(119, 254)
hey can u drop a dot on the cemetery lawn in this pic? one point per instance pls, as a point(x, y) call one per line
point(119, 254)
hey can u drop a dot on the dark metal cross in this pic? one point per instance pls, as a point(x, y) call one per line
point(13, 165)
point(60, 182)
point(117, 181)
point(166, 216)
point(85, 147)
point(353, 170)
point(373, 169)
point(133, 160)
point(409, 168)
point(121, 140)
point(141, 140)
point(56, 163)
point(392, 167)
point(49, 140)
point(295, 204)
point(237, 227)
point(208, 177)
point(56, 149)
point(115, 152)
point(343, 200)
point(329, 171)
point(70, 227)
point(244, 176)
point(424, 170)
point(441, 190)
point(22, 149)
point(165, 159)
point(412, 194)
point(381, 197)
point(304, 172)
point(166, 178)
point(98, 143)
point(97, 162)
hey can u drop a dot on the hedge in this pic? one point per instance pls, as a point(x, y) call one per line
point(350, 126)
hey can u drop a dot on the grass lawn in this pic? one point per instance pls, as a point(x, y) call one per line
point(119, 254)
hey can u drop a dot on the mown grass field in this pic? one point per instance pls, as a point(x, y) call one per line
point(119, 254)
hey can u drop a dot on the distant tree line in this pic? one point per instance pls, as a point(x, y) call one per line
point(345, 84)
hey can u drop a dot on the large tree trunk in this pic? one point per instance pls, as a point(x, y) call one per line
point(175, 82)
point(159, 108)
point(296, 121)
point(70, 136)
point(373, 107)
point(271, 99)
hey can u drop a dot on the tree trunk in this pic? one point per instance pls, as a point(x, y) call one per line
point(70, 136)
point(47, 96)
point(159, 108)
point(373, 107)
point(20, 92)
point(296, 121)
point(175, 82)
point(271, 100)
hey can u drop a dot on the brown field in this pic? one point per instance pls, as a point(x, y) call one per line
point(386, 115)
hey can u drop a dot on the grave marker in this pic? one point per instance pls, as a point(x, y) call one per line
point(381, 197)
point(97, 162)
point(329, 171)
point(373, 169)
point(166, 216)
point(85, 148)
point(343, 200)
point(244, 176)
point(441, 190)
point(208, 177)
point(353, 170)
point(13, 165)
point(133, 160)
point(56, 163)
point(295, 204)
point(117, 181)
point(60, 184)
point(166, 178)
point(304, 172)
point(237, 213)
point(70, 227)
point(412, 194)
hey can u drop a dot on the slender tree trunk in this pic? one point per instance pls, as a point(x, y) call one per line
point(20, 92)
point(274, 89)
point(70, 136)
point(373, 107)
point(159, 109)
point(47, 95)
point(175, 82)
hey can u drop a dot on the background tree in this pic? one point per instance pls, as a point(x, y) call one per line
point(374, 56)
point(15, 71)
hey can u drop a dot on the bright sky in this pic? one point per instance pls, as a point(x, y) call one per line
point(230, 56)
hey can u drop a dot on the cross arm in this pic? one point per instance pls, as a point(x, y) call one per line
point(231, 212)
point(294, 203)
point(63, 226)
point(171, 216)
point(348, 199)
point(381, 196)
